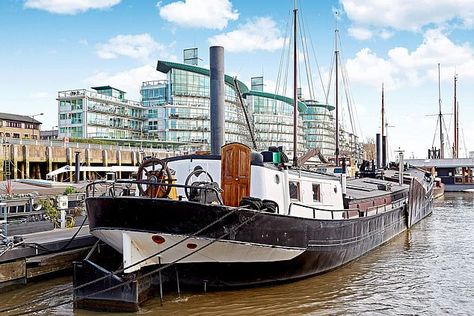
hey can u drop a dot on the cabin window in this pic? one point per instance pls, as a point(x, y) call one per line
point(294, 190)
point(316, 192)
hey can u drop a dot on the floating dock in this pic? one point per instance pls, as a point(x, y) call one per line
point(42, 253)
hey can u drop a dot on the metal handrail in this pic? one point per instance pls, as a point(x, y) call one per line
point(147, 182)
point(314, 209)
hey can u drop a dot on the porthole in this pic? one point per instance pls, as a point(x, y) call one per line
point(277, 179)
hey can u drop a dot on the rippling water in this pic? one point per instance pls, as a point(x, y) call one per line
point(427, 270)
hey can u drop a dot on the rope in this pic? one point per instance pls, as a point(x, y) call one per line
point(130, 266)
point(138, 278)
point(47, 250)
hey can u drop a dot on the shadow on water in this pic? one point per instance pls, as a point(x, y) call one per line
point(427, 270)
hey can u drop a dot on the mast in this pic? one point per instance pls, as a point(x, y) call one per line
point(295, 88)
point(384, 137)
point(456, 123)
point(336, 53)
point(441, 138)
point(383, 113)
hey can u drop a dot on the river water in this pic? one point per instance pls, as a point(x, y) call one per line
point(425, 271)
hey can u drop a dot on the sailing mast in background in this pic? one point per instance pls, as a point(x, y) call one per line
point(456, 121)
point(384, 138)
point(441, 136)
point(295, 89)
point(336, 55)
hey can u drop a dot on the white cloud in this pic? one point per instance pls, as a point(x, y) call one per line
point(369, 69)
point(360, 33)
point(259, 34)
point(69, 6)
point(208, 14)
point(129, 81)
point(404, 68)
point(409, 15)
point(141, 46)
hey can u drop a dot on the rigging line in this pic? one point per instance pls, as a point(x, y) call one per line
point(435, 133)
point(464, 143)
point(114, 273)
point(150, 273)
point(282, 58)
point(355, 115)
point(317, 66)
point(447, 136)
point(330, 78)
point(348, 101)
point(347, 90)
point(289, 59)
point(304, 44)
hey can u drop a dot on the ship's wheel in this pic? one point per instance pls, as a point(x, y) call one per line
point(158, 177)
point(196, 179)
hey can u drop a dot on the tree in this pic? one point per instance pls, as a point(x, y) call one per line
point(369, 149)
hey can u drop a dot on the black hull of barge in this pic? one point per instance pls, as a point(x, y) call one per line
point(329, 243)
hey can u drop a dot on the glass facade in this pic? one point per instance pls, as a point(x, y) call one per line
point(273, 121)
point(100, 114)
point(178, 109)
point(319, 127)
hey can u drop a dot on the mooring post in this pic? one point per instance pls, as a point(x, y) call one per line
point(400, 167)
point(77, 167)
point(161, 284)
point(4, 211)
point(177, 283)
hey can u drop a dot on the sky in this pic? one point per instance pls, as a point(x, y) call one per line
point(51, 45)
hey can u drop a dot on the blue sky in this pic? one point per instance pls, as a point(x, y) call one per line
point(52, 45)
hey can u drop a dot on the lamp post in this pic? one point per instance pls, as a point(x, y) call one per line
point(53, 135)
point(33, 124)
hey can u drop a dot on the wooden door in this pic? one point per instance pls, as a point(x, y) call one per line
point(235, 173)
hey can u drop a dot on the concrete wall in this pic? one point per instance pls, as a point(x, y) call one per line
point(34, 161)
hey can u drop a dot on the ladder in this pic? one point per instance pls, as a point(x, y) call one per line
point(7, 169)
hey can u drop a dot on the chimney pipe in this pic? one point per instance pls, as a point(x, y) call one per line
point(378, 146)
point(384, 151)
point(77, 167)
point(217, 89)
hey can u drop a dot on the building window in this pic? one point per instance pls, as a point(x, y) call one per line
point(294, 190)
point(316, 192)
point(14, 124)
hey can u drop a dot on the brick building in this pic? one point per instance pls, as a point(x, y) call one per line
point(18, 126)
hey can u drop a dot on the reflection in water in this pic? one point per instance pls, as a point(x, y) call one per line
point(427, 270)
